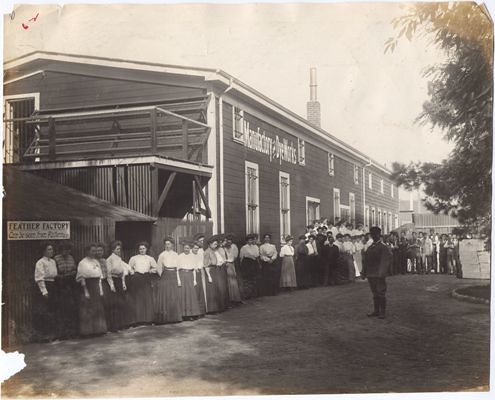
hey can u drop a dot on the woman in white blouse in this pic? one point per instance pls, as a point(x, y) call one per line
point(119, 314)
point(91, 312)
point(187, 263)
point(141, 292)
point(201, 277)
point(288, 271)
point(168, 297)
point(45, 318)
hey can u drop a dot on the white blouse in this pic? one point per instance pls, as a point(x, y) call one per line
point(116, 267)
point(187, 261)
point(142, 263)
point(286, 250)
point(88, 268)
point(45, 270)
point(221, 256)
point(167, 259)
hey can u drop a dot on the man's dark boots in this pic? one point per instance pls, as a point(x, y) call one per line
point(376, 306)
point(383, 306)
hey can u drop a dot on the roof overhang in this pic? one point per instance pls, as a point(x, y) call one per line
point(208, 74)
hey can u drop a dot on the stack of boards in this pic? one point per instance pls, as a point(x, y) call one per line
point(475, 259)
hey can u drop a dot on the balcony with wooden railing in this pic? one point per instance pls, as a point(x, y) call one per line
point(173, 130)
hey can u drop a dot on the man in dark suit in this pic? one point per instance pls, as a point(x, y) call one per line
point(376, 264)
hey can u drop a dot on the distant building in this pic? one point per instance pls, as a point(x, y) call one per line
point(413, 211)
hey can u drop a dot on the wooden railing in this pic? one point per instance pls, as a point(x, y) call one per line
point(176, 130)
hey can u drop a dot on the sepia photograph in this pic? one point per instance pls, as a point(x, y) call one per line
point(246, 199)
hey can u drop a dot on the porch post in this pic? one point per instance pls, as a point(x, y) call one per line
point(52, 140)
point(185, 140)
point(154, 141)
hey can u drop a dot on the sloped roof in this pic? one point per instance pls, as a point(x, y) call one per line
point(35, 60)
point(30, 197)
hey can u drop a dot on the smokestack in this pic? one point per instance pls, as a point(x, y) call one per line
point(313, 105)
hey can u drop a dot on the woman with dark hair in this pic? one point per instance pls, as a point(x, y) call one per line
point(45, 306)
point(221, 271)
point(67, 290)
point(91, 311)
point(199, 270)
point(120, 312)
point(188, 278)
point(288, 272)
point(168, 300)
point(232, 253)
point(214, 303)
point(141, 266)
point(250, 267)
point(270, 279)
point(301, 257)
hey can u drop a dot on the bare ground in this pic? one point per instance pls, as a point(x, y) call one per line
point(312, 341)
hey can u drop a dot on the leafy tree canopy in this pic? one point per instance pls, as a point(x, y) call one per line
point(460, 103)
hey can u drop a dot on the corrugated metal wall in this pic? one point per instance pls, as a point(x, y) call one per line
point(124, 185)
point(19, 259)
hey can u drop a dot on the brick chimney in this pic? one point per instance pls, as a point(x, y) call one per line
point(313, 105)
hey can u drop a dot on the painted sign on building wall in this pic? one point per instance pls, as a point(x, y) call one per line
point(38, 230)
point(276, 148)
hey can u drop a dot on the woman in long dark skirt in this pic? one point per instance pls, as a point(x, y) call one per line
point(214, 303)
point(233, 283)
point(142, 265)
point(199, 270)
point(270, 276)
point(187, 273)
point(222, 281)
point(119, 313)
point(68, 291)
point(46, 299)
point(91, 311)
point(301, 256)
point(250, 267)
point(168, 300)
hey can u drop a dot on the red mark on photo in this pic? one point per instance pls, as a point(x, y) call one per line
point(33, 19)
point(25, 26)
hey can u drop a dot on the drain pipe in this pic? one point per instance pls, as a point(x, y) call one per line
point(220, 116)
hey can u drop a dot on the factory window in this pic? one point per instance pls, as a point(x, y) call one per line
point(312, 210)
point(396, 221)
point(301, 152)
point(252, 198)
point(356, 174)
point(380, 220)
point(331, 164)
point(238, 124)
point(367, 221)
point(373, 216)
point(19, 136)
point(390, 224)
point(284, 205)
point(352, 207)
point(336, 205)
point(392, 194)
point(370, 180)
point(382, 186)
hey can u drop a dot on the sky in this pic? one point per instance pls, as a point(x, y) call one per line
point(368, 98)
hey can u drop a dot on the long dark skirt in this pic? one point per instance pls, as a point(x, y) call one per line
point(270, 278)
point(232, 283)
point(91, 311)
point(302, 271)
point(223, 286)
point(168, 298)
point(214, 303)
point(46, 322)
point(189, 298)
point(68, 293)
point(115, 305)
point(130, 307)
point(200, 291)
point(250, 277)
point(141, 294)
